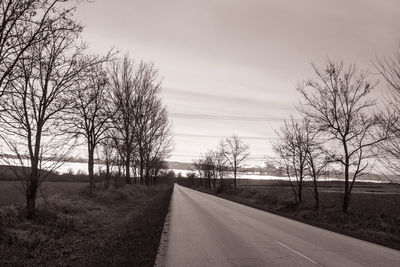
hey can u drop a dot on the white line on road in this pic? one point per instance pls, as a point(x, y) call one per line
point(295, 251)
point(235, 218)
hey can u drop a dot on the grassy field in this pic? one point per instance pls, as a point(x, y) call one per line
point(7, 173)
point(119, 227)
point(11, 192)
point(374, 212)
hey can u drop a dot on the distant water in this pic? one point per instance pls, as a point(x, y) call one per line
point(80, 167)
point(255, 176)
point(61, 167)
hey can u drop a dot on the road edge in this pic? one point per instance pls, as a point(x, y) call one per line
point(163, 245)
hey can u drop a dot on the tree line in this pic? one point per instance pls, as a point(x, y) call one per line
point(54, 94)
point(215, 165)
point(341, 126)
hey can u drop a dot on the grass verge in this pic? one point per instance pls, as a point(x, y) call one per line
point(113, 228)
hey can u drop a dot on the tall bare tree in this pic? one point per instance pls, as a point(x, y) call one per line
point(33, 116)
point(152, 127)
point(197, 166)
point(390, 148)
point(221, 166)
point(91, 115)
point(291, 148)
point(211, 167)
point(208, 168)
point(235, 152)
point(123, 84)
point(157, 165)
point(316, 157)
point(338, 102)
point(159, 143)
point(109, 157)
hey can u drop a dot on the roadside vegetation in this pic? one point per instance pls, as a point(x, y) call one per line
point(57, 96)
point(118, 227)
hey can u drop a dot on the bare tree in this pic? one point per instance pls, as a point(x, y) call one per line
point(291, 148)
point(108, 154)
point(211, 167)
point(197, 166)
point(235, 152)
point(316, 156)
point(206, 168)
point(152, 128)
point(158, 145)
point(25, 23)
point(91, 115)
point(123, 83)
point(157, 165)
point(390, 149)
point(209, 170)
point(338, 102)
point(33, 116)
point(221, 166)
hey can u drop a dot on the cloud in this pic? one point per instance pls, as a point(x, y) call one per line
point(232, 104)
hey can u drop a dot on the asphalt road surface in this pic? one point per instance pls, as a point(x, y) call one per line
point(209, 231)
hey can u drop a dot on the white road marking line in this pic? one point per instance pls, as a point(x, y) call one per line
point(295, 251)
point(236, 219)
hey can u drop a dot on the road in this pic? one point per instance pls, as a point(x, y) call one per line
point(205, 230)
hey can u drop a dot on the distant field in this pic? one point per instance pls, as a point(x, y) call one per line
point(324, 186)
point(10, 192)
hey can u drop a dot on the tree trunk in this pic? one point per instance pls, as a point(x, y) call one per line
point(295, 194)
point(147, 177)
point(33, 182)
point(148, 171)
point(31, 197)
point(316, 195)
point(234, 177)
point(127, 169)
point(141, 169)
point(155, 178)
point(91, 169)
point(300, 193)
point(346, 197)
point(346, 201)
point(108, 175)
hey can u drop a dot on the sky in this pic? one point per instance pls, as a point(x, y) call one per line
point(232, 66)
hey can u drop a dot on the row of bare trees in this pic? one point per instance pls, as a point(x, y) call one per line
point(301, 155)
point(40, 60)
point(215, 165)
point(141, 131)
point(53, 93)
point(118, 107)
point(341, 127)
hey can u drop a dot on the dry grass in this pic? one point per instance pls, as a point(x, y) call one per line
point(80, 230)
point(10, 192)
